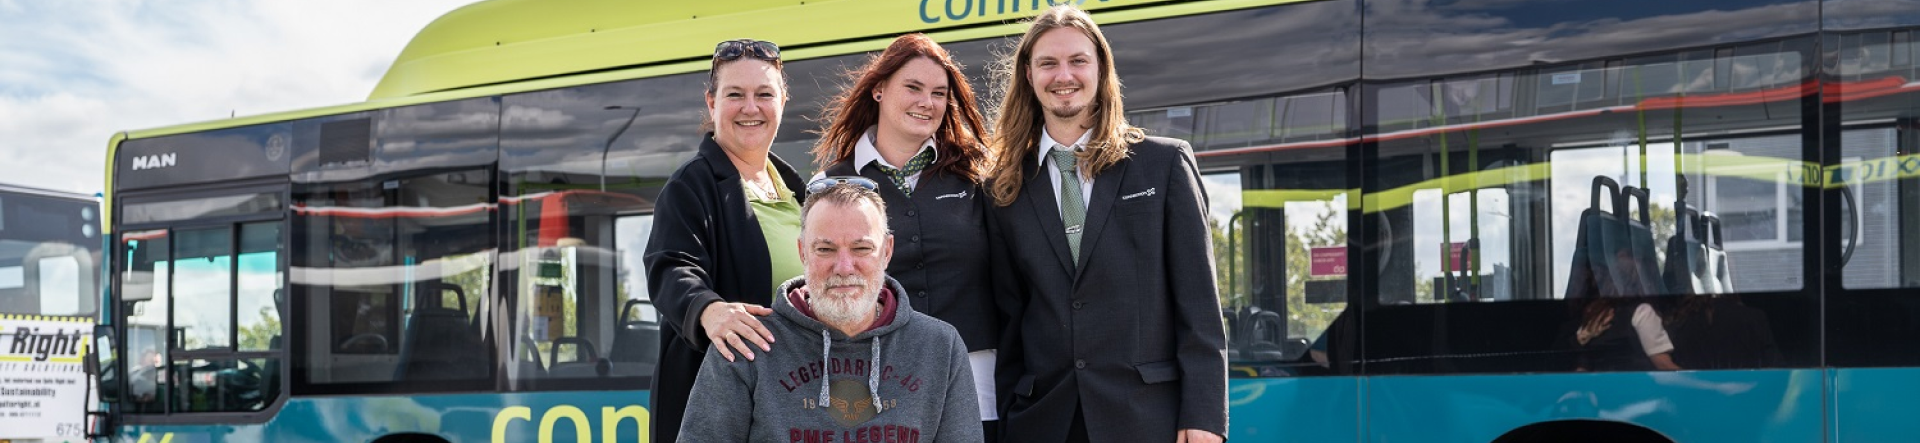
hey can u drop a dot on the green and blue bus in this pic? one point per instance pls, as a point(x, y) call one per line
point(1441, 221)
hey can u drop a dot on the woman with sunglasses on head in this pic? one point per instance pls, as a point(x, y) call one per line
point(724, 229)
point(909, 123)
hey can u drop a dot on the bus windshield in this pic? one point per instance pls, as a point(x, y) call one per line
point(49, 244)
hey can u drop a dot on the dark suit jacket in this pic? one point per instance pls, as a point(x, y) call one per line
point(706, 247)
point(1132, 334)
point(940, 249)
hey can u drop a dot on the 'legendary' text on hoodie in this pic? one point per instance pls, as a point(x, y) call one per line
point(806, 375)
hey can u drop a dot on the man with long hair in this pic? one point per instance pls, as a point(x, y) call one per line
point(1115, 331)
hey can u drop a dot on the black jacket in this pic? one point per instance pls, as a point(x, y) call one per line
point(940, 249)
point(1130, 334)
point(706, 247)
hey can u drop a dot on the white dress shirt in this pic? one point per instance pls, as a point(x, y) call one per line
point(864, 152)
point(1047, 146)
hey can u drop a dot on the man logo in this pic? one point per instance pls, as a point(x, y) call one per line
point(145, 162)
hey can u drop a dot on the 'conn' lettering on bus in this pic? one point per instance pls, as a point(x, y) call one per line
point(964, 9)
point(145, 162)
point(610, 419)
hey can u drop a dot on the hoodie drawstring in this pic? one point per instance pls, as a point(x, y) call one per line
point(873, 376)
point(826, 356)
point(873, 371)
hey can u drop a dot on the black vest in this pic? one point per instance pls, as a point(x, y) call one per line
point(940, 249)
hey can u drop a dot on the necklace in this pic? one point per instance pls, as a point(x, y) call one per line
point(762, 189)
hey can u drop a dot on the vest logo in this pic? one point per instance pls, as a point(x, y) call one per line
point(145, 162)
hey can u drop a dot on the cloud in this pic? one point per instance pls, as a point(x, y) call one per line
point(79, 71)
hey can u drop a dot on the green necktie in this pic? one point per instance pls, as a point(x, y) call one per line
point(1073, 209)
point(916, 164)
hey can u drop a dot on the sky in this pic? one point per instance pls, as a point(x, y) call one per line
point(75, 72)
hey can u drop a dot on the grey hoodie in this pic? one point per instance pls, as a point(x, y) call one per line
point(818, 385)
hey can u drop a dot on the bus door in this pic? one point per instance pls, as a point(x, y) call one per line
point(199, 277)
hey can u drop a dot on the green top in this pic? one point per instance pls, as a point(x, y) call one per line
point(780, 224)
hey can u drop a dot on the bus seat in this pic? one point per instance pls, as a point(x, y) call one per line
point(636, 343)
point(1603, 237)
point(587, 365)
point(270, 373)
point(529, 363)
point(1268, 335)
point(439, 342)
point(1696, 258)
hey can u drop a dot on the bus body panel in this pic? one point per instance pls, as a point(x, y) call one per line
point(1873, 404)
point(1318, 409)
point(512, 417)
point(1771, 405)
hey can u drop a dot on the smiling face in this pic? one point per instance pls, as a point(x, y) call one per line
point(1064, 71)
point(746, 105)
point(845, 248)
point(913, 102)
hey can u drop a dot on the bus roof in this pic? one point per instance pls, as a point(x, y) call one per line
point(498, 47)
point(499, 41)
point(19, 189)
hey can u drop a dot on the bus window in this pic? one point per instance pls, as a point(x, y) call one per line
point(145, 297)
point(1280, 248)
point(575, 177)
point(574, 315)
point(393, 276)
point(632, 233)
point(202, 283)
point(258, 296)
point(1579, 192)
point(1467, 256)
point(59, 279)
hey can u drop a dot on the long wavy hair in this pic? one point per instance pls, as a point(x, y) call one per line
point(1017, 131)
point(959, 141)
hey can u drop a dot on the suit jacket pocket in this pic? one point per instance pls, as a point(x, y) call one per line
point(1024, 387)
point(1141, 205)
point(1158, 372)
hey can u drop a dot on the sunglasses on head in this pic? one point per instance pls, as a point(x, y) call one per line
point(731, 50)
point(822, 185)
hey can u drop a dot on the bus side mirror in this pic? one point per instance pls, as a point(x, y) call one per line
point(100, 363)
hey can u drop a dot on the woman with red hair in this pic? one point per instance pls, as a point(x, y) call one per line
point(910, 123)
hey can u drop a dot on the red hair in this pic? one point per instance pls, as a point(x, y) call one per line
point(959, 142)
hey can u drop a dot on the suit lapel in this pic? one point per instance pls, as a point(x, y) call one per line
point(1106, 188)
point(1046, 212)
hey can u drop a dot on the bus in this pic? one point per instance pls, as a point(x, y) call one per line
point(1433, 221)
point(49, 287)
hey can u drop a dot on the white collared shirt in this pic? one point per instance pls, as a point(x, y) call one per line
point(1047, 146)
point(864, 152)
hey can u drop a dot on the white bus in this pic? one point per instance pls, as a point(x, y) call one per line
point(49, 274)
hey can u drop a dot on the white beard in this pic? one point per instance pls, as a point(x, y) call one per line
point(837, 311)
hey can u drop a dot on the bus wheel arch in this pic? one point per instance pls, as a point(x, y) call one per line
point(1582, 431)
point(410, 438)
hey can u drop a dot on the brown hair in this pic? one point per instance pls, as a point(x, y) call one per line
point(1017, 131)
point(959, 142)
point(713, 83)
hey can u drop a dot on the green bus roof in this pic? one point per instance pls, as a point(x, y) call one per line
point(500, 41)
point(506, 46)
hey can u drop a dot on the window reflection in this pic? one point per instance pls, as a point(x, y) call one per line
point(395, 275)
point(1622, 192)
